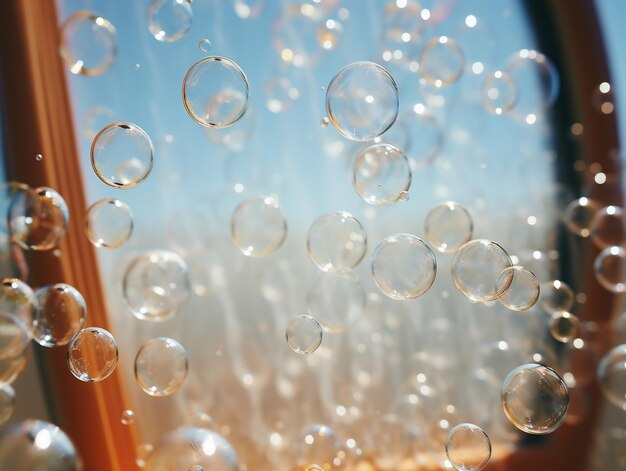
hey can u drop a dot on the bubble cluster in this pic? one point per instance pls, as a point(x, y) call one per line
point(448, 226)
point(468, 447)
point(258, 227)
point(61, 314)
point(304, 334)
point(441, 61)
point(518, 288)
point(564, 326)
point(381, 174)
point(610, 269)
point(169, 20)
point(337, 300)
point(92, 354)
point(161, 366)
point(108, 223)
point(612, 376)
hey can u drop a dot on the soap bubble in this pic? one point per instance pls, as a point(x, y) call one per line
point(62, 312)
point(468, 447)
point(610, 269)
point(518, 288)
point(608, 227)
point(37, 445)
point(329, 34)
point(498, 93)
point(215, 92)
point(336, 242)
point(122, 155)
point(556, 295)
point(204, 45)
point(142, 452)
point(7, 403)
point(108, 223)
point(279, 94)
point(535, 399)
point(38, 218)
point(441, 62)
point(362, 101)
point(128, 417)
point(579, 214)
point(156, 284)
point(169, 20)
point(304, 334)
point(92, 355)
point(403, 267)
point(245, 9)
point(336, 300)
point(294, 35)
point(95, 119)
point(602, 98)
point(196, 467)
point(402, 30)
point(381, 174)
point(564, 326)
point(258, 226)
point(476, 268)
point(17, 299)
point(161, 366)
point(448, 226)
point(11, 369)
point(15, 336)
point(612, 376)
point(318, 445)
point(190, 446)
point(88, 43)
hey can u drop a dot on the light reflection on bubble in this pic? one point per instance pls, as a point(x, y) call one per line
point(468, 447)
point(441, 62)
point(92, 354)
point(610, 269)
point(556, 295)
point(245, 9)
point(108, 223)
point(161, 366)
point(258, 227)
point(304, 334)
point(336, 300)
point(579, 214)
point(498, 93)
point(564, 326)
point(280, 94)
point(62, 312)
point(127, 417)
point(602, 98)
point(608, 227)
point(169, 20)
point(518, 288)
point(448, 226)
point(381, 174)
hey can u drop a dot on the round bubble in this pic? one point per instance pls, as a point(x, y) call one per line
point(11, 369)
point(603, 99)
point(441, 62)
point(92, 355)
point(15, 336)
point(204, 45)
point(215, 92)
point(468, 447)
point(476, 267)
point(186, 447)
point(535, 399)
point(608, 227)
point(329, 34)
point(161, 366)
point(610, 269)
point(258, 227)
point(62, 312)
point(38, 218)
point(108, 223)
point(88, 43)
point(317, 444)
point(448, 226)
point(403, 266)
point(498, 93)
point(95, 119)
point(381, 174)
point(564, 326)
point(612, 376)
point(37, 445)
point(128, 417)
point(280, 94)
point(518, 288)
point(7, 403)
point(336, 300)
point(304, 334)
point(362, 101)
point(336, 242)
point(556, 295)
point(248, 8)
point(169, 20)
point(156, 284)
point(579, 214)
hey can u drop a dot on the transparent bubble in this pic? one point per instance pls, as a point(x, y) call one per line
point(128, 417)
point(248, 8)
point(37, 445)
point(156, 284)
point(38, 218)
point(92, 354)
point(402, 30)
point(336, 242)
point(608, 227)
point(88, 43)
point(122, 155)
point(403, 267)
point(142, 453)
point(318, 445)
point(448, 226)
point(189, 446)
point(304, 334)
point(610, 269)
point(468, 447)
point(441, 62)
point(161, 366)
point(215, 92)
point(62, 312)
point(381, 174)
point(602, 98)
point(612, 376)
point(258, 226)
point(204, 45)
point(38, 157)
point(426, 136)
point(280, 94)
point(169, 20)
point(564, 327)
point(579, 214)
point(476, 268)
point(329, 34)
point(15, 336)
point(535, 399)
point(337, 300)
point(518, 288)
point(362, 101)
point(108, 223)
point(324, 122)
point(17, 299)
point(557, 296)
point(7, 403)
point(498, 93)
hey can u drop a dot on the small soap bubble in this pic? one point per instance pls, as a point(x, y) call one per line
point(38, 157)
point(556, 295)
point(161, 366)
point(215, 92)
point(612, 376)
point(122, 155)
point(329, 34)
point(362, 101)
point(476, 267)
point(579, 214)
point(498, 93)
point(169, 20)
point(324, 122)
point(304, 334)
point(204, 45)
point(404, 197)
point(336, 242)
point(441, 62)
point(518, 288)
point(535, 399)
point(448, 226)
point(381, 174)
point(317, 444)
point(108, 223)
point(88, 44)
point(92, 354)
point(156, 284)
point(468, 447)
point(610, 269)
point(337, 300)
point(258, 227)
point(38, 218)
point(608, 227)
point(17, 299)
point(61, 314)
point(7, 403)
point(564, 327)
point(128, 417)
